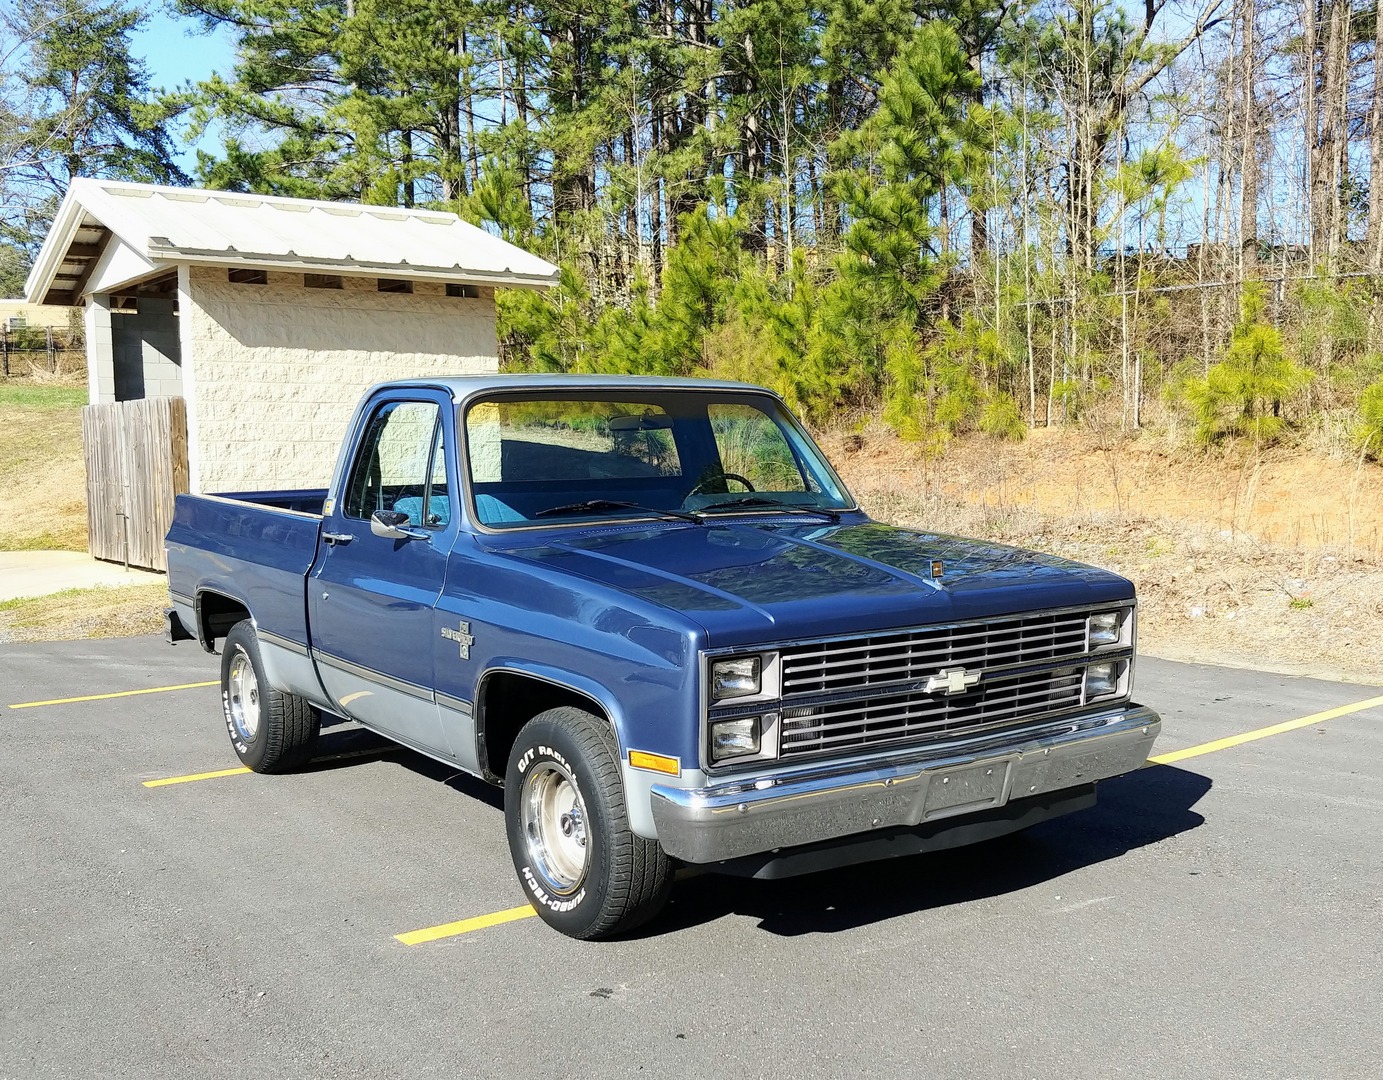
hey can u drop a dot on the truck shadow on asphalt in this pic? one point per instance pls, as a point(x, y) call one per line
point(1141, 808)
point(345, 746)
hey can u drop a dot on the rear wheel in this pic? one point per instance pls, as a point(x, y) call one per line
point(270, 730)
point(587, 874)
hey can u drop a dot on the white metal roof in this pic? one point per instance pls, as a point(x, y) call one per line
point(164, 226)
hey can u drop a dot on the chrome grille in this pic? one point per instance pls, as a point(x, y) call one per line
point(999, 700)
point(915, 654)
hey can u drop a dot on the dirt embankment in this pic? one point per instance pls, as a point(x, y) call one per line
point(1271, 561)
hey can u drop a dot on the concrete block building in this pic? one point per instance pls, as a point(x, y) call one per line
point(269, 316)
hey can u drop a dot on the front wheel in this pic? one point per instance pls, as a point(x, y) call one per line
point(587, 874)
point(271, 731)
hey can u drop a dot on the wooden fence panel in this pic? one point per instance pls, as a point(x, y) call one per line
point(136, 462)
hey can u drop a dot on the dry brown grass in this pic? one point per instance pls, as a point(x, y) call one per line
point(1270, 564)
point(1293, 498)
point(85, 613)
point(42, 478)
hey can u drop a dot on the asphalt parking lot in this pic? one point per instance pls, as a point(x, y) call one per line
point(1220, 915)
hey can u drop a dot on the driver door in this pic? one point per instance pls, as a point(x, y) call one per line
point(371, 597)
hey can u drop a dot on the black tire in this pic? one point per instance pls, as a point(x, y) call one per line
point(281, 735)
point(595, 879)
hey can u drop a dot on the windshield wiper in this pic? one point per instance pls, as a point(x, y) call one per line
point(772, 504)
point(591, 506)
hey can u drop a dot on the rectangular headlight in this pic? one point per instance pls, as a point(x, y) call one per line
point(1102, 680)
point(1106, 628)
point(735, 678)
point(734, 738)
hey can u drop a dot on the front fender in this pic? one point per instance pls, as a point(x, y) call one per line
point(638, 783)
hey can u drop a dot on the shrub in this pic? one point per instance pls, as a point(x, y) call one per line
point(1001, 419)
point(1244, 393)
point(1369, 433)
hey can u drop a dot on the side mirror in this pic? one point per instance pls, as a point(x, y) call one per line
point(393, 525)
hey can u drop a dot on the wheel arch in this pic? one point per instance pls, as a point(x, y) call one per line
point(216, 612)
point(508, 696)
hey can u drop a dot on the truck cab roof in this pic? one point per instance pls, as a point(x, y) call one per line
point(462, 387)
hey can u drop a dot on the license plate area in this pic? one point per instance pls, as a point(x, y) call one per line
point(967, 789)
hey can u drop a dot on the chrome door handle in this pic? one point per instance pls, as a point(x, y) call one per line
point(338, 538)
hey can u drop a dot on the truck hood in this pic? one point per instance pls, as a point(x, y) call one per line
point(755, 583)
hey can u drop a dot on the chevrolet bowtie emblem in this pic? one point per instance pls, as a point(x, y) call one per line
point(951, 681)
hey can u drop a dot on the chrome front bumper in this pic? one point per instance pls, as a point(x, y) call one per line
point(750, 815)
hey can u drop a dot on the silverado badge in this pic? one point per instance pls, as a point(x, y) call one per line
point(464, 639)
point(951, 681)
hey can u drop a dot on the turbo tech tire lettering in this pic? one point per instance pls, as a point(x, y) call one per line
point(237, 743)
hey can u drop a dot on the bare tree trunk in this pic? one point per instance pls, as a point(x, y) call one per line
point(1121, 277)
point(1326, 72)
point(1248, 162)
point(979, 200)
point(655, 210)
point(1202, 252)
point(467, 105)
point(633, 247)
point(1051, 371)
point(1024, 242)
point(944, 220)
point(1310, 67)
point(752, 147)
point(1375, 235)
point(1336, 120)
point(818, 216)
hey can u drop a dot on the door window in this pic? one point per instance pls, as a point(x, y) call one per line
point(401, 465)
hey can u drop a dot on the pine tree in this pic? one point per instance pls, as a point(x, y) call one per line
point(894, 168)
point(81, 108)
point(1245, 392)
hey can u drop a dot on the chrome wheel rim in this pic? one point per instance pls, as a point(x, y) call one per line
point(242, 696)
point(554, 827)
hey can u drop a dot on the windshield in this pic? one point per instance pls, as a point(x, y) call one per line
point(559, 458)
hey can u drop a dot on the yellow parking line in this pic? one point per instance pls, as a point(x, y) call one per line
point(118, 694)
point(465, 926)
point(496, 918)
point(1263, 733)
point(241, 771)
point(374, 751)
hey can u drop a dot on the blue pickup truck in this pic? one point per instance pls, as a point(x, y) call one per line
point(650, 610)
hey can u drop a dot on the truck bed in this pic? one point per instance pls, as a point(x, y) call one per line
point(253, 547)
point(300, 501)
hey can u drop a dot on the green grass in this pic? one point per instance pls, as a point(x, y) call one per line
point(42, 477)
point(44, 541)
point(25, 603)
point(42, 395)
point(85, 613)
